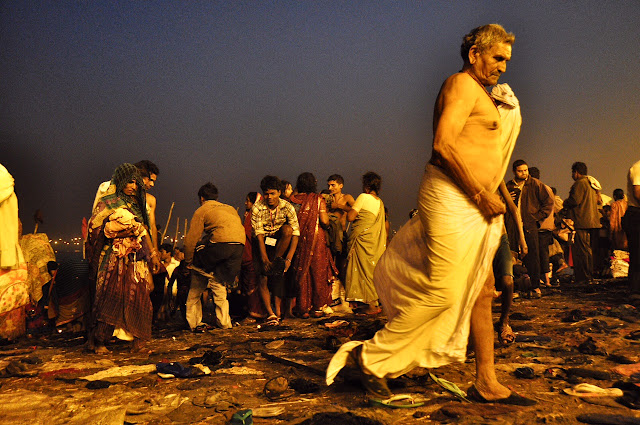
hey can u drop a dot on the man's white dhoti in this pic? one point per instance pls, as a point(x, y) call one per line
point(428, 280)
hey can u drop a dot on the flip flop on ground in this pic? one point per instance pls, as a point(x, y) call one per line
point(589, 390)
point(400, 401)
point(450, 387)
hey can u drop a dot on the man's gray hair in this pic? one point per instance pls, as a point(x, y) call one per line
point(483, 37)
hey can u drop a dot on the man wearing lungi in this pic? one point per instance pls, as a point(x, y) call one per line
point(435, 280)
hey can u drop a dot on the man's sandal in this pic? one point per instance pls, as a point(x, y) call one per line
point(272, 320)
point(374, 386)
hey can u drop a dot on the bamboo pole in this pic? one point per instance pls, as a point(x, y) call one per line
point(166, 226)
point(175, 240)
point(185, 227)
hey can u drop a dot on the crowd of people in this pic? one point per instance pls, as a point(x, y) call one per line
point(300, 252)
point(296, 252)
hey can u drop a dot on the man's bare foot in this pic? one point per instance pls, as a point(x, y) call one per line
point(90, 345)
point(138, 347)
point(492, 391)
point(512, 399)
point(370, 311)
point(101, 349)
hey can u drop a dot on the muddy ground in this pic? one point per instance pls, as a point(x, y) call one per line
point(63, 384)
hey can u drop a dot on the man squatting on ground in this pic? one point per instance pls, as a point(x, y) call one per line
point(435, 279)
point(214, 244)
point(276, 230)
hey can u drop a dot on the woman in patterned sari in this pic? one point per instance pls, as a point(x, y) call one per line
point(119, 250)
point(313, 264)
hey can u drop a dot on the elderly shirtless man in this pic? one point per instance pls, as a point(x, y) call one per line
point(435, 280)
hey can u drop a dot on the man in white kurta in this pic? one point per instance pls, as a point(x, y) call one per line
point(435, 279)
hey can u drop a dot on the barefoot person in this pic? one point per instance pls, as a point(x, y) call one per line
point(119, 250)
point(435, 280)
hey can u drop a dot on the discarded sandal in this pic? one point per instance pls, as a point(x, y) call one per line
point(635, 335)
point(336, 324)
point(277, 388)
point(268, 412)
point(588, 390)
point(400, 401)
point(513, 399)
point(524, 373)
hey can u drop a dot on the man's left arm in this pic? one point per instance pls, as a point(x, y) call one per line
point(513, 210)
point(574, 197)
point(196, 227)
point(151, 201)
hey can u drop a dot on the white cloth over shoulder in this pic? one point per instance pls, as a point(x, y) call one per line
point(102, 190)
point(509, 109)
point(428, 280)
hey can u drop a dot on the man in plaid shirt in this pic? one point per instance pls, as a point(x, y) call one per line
point(275, 225)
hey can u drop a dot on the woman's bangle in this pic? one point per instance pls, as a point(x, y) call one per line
point(153, 253)
point(288, 260)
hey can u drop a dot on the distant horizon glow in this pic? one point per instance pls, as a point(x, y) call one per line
point(231, 91)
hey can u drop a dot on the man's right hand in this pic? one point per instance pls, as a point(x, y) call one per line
point(491, 205)
point(266, 264)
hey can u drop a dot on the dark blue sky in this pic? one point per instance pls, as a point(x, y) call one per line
point(231, 91)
